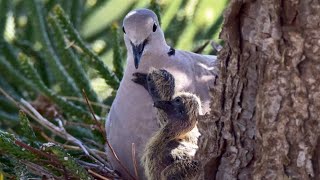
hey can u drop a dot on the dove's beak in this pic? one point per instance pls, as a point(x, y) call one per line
point(137, 52)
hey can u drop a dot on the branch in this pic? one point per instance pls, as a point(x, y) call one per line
point(39, 170)
point(72, 98)
point(59, 131)
point(24, 105)
point(62, 133)
point(65, 146)
point(97, 175)
point(133, 150)
point(98, 123)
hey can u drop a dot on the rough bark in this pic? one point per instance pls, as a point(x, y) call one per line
point(266, 102)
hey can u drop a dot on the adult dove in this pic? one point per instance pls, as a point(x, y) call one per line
point(132, 117)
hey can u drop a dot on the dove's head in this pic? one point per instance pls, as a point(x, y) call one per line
point(142, 34)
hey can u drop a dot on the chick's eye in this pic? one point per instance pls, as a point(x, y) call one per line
point(124, 31)
point(178, 100)
point(154, 28)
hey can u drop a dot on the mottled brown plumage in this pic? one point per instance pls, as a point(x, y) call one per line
point(169, 153)
point(160, 84)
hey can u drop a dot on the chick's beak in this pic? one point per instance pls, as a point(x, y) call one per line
point(166, 106)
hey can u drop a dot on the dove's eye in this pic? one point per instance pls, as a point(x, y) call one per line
point(124, 31)
point(154, 27)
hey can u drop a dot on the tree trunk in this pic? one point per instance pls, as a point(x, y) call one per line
point(266, 102)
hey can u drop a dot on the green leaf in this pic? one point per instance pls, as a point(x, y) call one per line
point(4, 9)
point(117, 58)
point(8, 51)
point(154, 5)
point(67, 160)
point(6, 105)
point(14, 76)
point(40, 62)
point(95, 61)
point(7, 144)
point(7, 87)
point(170, 13)
point(7, 166)
point(27, 131)
point(71, 61)
point(69, 86)
point(77, 11)
point(68, 107)
point(8, 117)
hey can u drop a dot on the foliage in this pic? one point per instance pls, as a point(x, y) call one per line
point(52, 53)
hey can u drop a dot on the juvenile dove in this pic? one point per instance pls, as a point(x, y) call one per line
point(132, 118)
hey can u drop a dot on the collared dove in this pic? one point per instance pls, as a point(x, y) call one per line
point(132, 117)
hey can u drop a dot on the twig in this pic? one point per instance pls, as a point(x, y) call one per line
point(109, 145)
point(73, 44)
point(26, 106)
point(133, 150)
point(47, 138)
point(89, 165)
point(201, 48)
point(60, 123)
point(51, 159)
point(98, 168)
point(60, 132)
point(32, 112)
point(90, 141)
point(69, 44)
point(9, 97)
point(98, 123)
point(97, 175)
point(36, 151)
point(71, 123)
point(38, 169)
point(84, 101)
point(99, 159)
point(118, 160)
